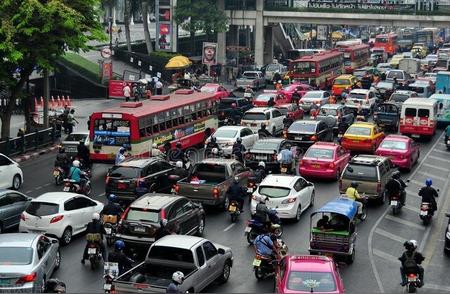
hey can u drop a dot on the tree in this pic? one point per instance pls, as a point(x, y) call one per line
point(193, 16)
point(148, 40)
point(34, 33)
point(126, 19)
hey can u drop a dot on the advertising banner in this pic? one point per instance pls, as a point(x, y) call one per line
point(209, 53)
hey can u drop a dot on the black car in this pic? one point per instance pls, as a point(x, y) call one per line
point(447, 237)
point(224, 109)
point(143, 217)
point(305, 133)
point(136, 176)
point(337, 116)
point(265, 150)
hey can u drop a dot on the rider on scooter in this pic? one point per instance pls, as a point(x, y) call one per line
point(260, 172)
point(353, 194)
point(428, 195)
point(395, 186)
point(411, 260)
point(112, 208)
point(237, 193)
point(76, 173)
point(265, 245)
point(118, 256)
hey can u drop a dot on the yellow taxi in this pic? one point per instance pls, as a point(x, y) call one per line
point(343, 82)
point(419, 51)
point(362, 136)
point(395, 60)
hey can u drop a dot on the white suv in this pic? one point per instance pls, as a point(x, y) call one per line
point(271, 117)
point(366, 99)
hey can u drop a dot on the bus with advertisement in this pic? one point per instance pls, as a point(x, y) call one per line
point(294, 54)
point(318, 70)
point(387, 41)
point(355, 56)
point(185, 116)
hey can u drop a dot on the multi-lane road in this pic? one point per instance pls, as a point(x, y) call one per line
point(379, 241)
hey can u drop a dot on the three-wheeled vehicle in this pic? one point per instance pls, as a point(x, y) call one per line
point(333, 231)
point(387, 115)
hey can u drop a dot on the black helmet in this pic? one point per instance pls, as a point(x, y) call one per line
point(239, 140)
point(263, 126)
point(396, 174)
point(213, 139)
point(178, 145)
point(355, 184)
point(62, 149)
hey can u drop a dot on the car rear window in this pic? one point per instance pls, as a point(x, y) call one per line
point(311, 282)
point(171, 253)
point(274, 192)
point(410, 112)
point(357, 96)
point(125, 172)
point(360, 172)
point(256, 116)
point(399, 97)
point(423, 113)
point(319, 153)
point(391, 144)
point(342, 82)
point(15, 255)
point(42, 208)
point(328, 111)
point(358, 131)
point(302, 128)
point(225, 133)
point(264, 97)
point(226, 103)
point(266, 145)
point(75, 137)
point(136, 214)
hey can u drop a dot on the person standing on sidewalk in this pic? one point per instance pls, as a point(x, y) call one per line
point(159, 87)
point(126, 92)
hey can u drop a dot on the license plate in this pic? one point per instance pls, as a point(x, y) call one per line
point(316, 165)
point(139, 229)
point(4, 282)
point(423, 212)
point(256, 262)
point(107, 287)
point(394, 202)
point(298, 138)
point(92, 250)
point(250, 190)
point(232, 208)
point(108, 231)
point(66, 189)
point(412, 279)
point(283, 169)
point(247, 229)
point(415, 136)
point(56, 173)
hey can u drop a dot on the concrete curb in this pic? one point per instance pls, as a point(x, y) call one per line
point(28, 156)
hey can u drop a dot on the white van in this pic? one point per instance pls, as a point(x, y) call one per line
point(418, 117)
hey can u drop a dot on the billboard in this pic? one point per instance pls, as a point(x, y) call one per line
point(209, 53)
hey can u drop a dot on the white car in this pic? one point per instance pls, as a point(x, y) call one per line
point(59, 214)
point(271, 117)
point(11, 175)
point(314, 97)
point(71, 142)
point(366, 99)
point(289, 195)
point(384, 67)
point(226, 136)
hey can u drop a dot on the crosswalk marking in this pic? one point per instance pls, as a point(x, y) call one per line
point(405, 222)
point(438, 158)
point(436, 167)
point(385, 255)
point(428, 174)
point(440, 151)
point(390, 235)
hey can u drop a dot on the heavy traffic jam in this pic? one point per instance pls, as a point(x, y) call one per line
point(356, 115)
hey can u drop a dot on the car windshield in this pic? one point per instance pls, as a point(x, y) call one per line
point(171, 253)
point(417, 88)
point(395, 74)
point(319, 153)
point(226, 103)
point(15, 255)
point(225, 133)
point(358, 131)
point(357, 96)
point(208, 89)
point(274, 192)
point(273, 67)
point(312, 94)
point(76, 137)
point(266, 145)
point(391, 144)
point(385, 85)
point(264, 97)
point(328, 111)
point(360, 172)
point(136, 214)
point(255, 116)
point(42, 208)
point(125, 172)
point(399, 97)
point(302, 128)
point(359, 73)
point(342, 82)
point(250, 75)
point(311, 282)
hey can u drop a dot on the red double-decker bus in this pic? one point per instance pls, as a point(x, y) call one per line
point(355, 56)
point(319, 69)
point(388, 42)
point(185, 116)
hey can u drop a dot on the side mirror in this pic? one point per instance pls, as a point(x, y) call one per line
point(221, 251)
point(54, 241)
point(407, 180)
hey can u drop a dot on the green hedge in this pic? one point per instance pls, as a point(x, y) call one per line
point(80, 64)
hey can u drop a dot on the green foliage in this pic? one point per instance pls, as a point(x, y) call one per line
point(194, 15)
point(82, 65)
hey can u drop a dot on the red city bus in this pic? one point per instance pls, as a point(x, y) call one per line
point(355, 56)
point(319, 69)
point(185, 116)
point(388, 42)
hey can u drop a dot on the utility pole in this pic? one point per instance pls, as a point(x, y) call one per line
point(46, 96)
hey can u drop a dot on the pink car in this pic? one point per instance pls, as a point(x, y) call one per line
point(324, 160)
point(307, 274)
point(293, 90)
point(402, 150)
point(219, 90)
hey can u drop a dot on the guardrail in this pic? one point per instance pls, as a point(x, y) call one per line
point(29, 142)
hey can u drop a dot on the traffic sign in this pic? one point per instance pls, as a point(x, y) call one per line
point(106, 53)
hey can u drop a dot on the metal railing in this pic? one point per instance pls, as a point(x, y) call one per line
point(29, 142)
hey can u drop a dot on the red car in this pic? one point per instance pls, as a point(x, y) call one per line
point(308, 274)
point(402, 150)
point(324, 160)
point(220, 91)
point(262, 99)
point(291, 110)
point(295, 89)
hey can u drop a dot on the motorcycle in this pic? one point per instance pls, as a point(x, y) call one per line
point(73, 186)
point(110, 229)
point(94, 254)
point(264, 266)
point(58, 175)
point(251, 186)
point(234, 210)
point(111, 271)
point(425, 213)
point(413, 282)
point(248, 96)
point(395, 203)
point(255, 228)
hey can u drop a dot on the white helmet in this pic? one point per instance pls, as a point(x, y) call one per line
point(96, 216)
point(154, 145)
point(179, 164)
point(178, 277)
point(76, 163)
point(215, 151)
point(262, 199)
point(414, 243)
point(262, 163)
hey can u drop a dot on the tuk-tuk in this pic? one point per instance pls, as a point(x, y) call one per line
point(333, 230)
point(387, 115)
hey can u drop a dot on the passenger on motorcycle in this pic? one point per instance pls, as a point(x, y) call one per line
point(263, 132)
point(177, 154)
point(237, 193)
point(155, 151)
point(62, 160)
point(95, 227)
point(260, 172)
point(428, 195)
point(235, 114)
point(120, 156)
point(177, 280)
point(112, 208)
point(179, 170)
point(264, 215)
point(119, 257)
point(83, 153)
point(395, 186)
point(76, 174)
point(212, 143)
point(265, 245)
point(411, 260)
point(238, 150)
point(285, 157)
point(353, 194)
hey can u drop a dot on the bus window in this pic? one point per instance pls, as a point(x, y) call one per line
point(423, 113)
point(142, 132)
point(410, 112)
point(149, 130)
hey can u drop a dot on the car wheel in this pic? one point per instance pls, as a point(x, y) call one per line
point(313, 195)
point(201, 226)
point(57, 260)
point(17, 182)
point(298, 213)
point(226, 271)
point(66, 236)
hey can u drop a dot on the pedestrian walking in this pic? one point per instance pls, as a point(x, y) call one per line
point(159, 87)
point(126, 91)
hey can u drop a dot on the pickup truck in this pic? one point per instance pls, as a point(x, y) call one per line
point(254, 79)
point(209, 181)
point(201, 261)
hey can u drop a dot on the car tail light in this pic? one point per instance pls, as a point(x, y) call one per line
point(124, 214)
point(430, 122)
point(216, 192)
point(402, 156)
point(313, 138)
point(22, 217)
point(107, 180)
point(177, 188)
point(378, 187)
point(56, 219)
point(27, 278)
point(163, 214)
point(289, 200)
point(302, 162)
point(332, 165)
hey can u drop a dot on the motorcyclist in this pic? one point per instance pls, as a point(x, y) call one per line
point(118, 256)
point(249, 94)
point(177, 280)
point(395, 186)
point(162, 230)
point(271, 102)
point(265, 245)
point(179, 170)
point(237, 193)
point(286, 156)
point(263, 214)
point(112, 208)
point(211, 145)
point(155, 151)
point(62, 160)
point(95, 227)
point(276, 77)
point(238, 149)
point(263, 132)
point(353, 194)
point(235, 114)
point(83, 153)
point(120, 156)
point(55, 286)
point(177, 154)
point(75, 174)
point(428, 195)
point(411, 260)
point(260, 172)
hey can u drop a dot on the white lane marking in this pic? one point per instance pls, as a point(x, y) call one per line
point(411, 193)
point(414, 209)
point(390, 235)
point(38, 188)
point(441, 151)
point(437, 287)
point(385, 255)
point(48, 184)
point(405, 222)
point(28, 192)
point(229, 227)
point(417, 182)
point(428, 174)
point(436, 167)
point(442, 144)
point(439, 158)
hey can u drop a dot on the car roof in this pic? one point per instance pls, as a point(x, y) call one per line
point(317, 91)
point(404, 92)
point(138, 162)
point(421, 101)
point(397, 138)
point(310, 263)
point(236, 128)
point(219, 160)
point(17, 239)
point(154, 201)
point(306, 122)
point(360, 91)
point(272, 140)
point(55, 197)
point(258, 109)
point(332, 106)
point(344, 77)
point(179, 241)
point(325, 145)
point(279, 180)
point(232, 98)
point(363, 124)
point(367, 159)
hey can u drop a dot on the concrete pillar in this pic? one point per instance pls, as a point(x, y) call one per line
point(221, 38)
point(233, 35)
point(268, 44)
point(259, 34)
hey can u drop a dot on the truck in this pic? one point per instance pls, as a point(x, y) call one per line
point(254, 79)
point(209, 180)
point(201, 261)
point(443, 82)
point(409, 65)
